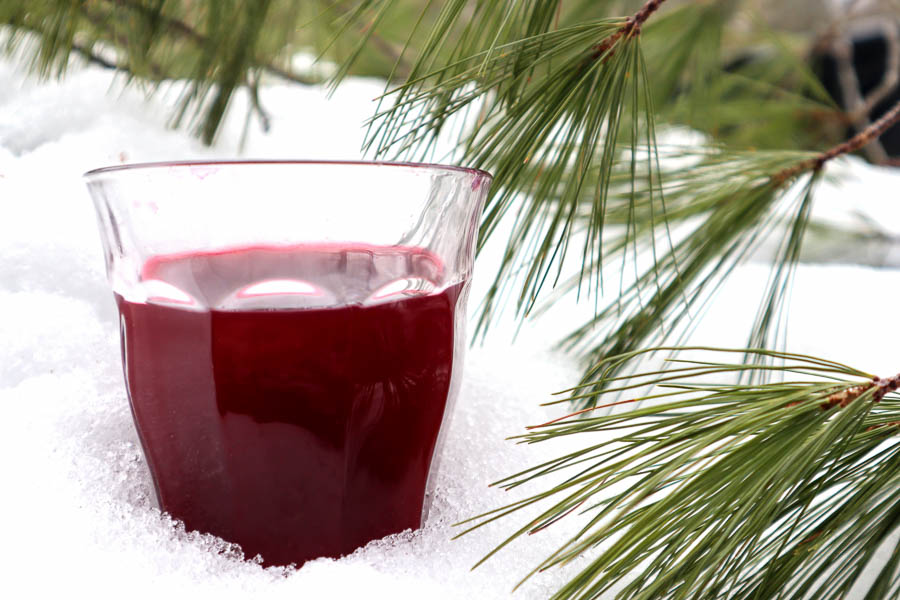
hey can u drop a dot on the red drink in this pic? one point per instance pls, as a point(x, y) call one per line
point(297, 416)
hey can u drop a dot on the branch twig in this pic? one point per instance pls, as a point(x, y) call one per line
point(892, 69)
point(86, 52)
point(631, 28)
point(95, 58)
point(843, 52)
point(189, 33)
point(869, 134)
point(837, 40)
point(385, 47)
point(118, 41)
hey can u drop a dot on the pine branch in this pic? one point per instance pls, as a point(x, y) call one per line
point(857, 142)
point(740, 216)
point(631, 28)
point(718, 490)
point(86, 52)
point(153, 70)
point(564, 154)
point(95, 59)
point(189, 33)
point(366, 17)
point(218, 47)
point(553, 105)
point(368, 35)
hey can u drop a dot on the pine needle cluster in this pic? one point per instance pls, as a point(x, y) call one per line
point(769, 490)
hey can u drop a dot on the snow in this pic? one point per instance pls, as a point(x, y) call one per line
point(78, 513)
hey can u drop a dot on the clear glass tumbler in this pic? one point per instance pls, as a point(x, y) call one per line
point(292, 337)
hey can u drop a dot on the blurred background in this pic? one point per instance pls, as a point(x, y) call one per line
point(798, 74)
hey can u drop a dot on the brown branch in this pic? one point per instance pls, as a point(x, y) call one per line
point(858, 108)
point(641, 16)
point(388, 49)
point(86, 52)
point(885, 386)
point(631, 28)
point(187, 32)
point(869, 134)
point(891, 77)
point(843, 398)
point(120, 41)
point(96, 59)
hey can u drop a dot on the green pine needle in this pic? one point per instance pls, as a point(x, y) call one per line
point(370, 13)
point(565, 121)
point(741, 490)
point(557, 112)
point(721, 208)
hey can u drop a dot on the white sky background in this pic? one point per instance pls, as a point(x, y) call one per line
point(76, 511)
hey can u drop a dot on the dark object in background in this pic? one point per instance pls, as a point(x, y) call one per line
point(870, 62)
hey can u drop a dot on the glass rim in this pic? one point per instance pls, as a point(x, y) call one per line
point(142, 166)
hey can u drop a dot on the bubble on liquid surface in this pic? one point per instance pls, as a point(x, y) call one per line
point(278, 294)
point(400, 289)
point(162, 292)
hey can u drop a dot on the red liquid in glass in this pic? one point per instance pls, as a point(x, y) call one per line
point(296, 432)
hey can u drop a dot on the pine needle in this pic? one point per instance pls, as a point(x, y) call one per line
point(727, 490)
point(739, 215)
point(557, 109)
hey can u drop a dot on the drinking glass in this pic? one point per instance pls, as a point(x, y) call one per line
point(292, 336)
